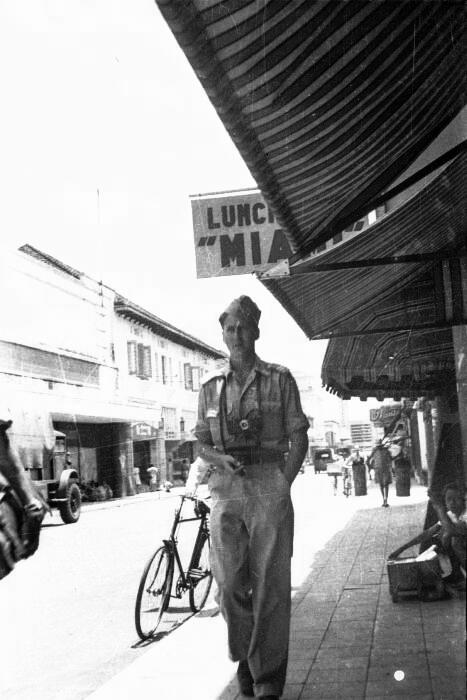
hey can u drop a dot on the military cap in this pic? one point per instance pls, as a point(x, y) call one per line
point(244, 306)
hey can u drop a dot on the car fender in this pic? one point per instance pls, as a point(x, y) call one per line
point(66, 476)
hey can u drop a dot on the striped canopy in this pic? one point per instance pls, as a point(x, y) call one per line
point(328, 101)
point(344, 291)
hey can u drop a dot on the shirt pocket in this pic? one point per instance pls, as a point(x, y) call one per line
point(272, 419)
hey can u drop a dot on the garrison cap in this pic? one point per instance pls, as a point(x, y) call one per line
point(244, 306)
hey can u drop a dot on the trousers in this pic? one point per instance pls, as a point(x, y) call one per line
point(252, 524)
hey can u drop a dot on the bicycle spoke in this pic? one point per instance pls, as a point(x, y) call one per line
point(154, 590)
point(200, 576)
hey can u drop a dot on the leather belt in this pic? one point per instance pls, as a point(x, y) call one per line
point(254, 455)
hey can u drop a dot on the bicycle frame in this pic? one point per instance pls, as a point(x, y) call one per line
point(184, 582)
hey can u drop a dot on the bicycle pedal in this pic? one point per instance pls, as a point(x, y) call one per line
point(196, 573)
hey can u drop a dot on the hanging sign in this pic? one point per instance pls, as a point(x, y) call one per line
point(236, 234)
point(143, 431)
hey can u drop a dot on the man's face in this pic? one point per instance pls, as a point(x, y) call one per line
point(239, 336)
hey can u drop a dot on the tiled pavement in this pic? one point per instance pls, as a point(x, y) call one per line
point(348, 639)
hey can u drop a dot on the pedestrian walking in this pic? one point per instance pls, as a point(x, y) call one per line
point(381, 462)
point(252, 430)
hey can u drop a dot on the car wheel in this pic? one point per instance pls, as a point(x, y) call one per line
point(70, 509)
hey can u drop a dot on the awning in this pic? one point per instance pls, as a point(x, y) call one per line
point(328, 102)
point(396, 274)
point(392, 364)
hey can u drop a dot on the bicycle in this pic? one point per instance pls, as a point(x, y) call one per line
point(156, 586)
point(347, 481)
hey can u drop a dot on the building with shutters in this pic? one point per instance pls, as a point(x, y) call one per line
point(121, 383)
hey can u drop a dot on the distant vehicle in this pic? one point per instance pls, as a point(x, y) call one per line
point(321, 458)
point(57, 481)
point(43, 453)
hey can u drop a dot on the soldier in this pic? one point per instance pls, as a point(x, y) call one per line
point(252, 430)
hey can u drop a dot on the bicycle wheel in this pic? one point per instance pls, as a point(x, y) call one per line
point(154, 592)
point(200, 575)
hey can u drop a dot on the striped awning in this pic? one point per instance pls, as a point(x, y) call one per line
point(408, 364)
point(327, 101)
point(363, 285)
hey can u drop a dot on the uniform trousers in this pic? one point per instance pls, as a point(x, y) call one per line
point(252, 536)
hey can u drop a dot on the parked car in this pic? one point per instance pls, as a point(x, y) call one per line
point(321, 458)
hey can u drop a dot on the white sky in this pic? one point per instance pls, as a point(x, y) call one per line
point(98, 97)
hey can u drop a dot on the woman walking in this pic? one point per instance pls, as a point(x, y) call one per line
point(381, 461)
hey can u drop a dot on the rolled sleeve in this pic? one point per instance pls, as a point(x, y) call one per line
point(202, 429)
point(294, 418)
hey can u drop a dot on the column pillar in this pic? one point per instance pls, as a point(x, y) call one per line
point(429, 440)
point(459, 337)
point(123, 460)
point(161, 462)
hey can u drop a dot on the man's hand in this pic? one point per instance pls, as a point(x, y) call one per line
point(219, 461)
point(228, 463)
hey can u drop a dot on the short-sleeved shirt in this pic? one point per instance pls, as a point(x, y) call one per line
point(269, 402)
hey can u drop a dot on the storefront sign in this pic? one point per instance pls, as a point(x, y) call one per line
point(385, 414)
point(143, 431)
point(236, 234)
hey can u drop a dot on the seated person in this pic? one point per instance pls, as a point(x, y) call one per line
point(449, 534)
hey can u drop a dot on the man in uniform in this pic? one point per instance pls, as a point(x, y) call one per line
point(252, 430)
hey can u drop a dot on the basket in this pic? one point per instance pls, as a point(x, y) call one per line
point(409, 576)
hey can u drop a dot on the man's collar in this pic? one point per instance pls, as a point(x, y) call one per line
point(259, 366)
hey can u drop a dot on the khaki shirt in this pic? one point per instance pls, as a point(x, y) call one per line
point(270, 394)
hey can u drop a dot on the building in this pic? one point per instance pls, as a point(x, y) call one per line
point(120, 382)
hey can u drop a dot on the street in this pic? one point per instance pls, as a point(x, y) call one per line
point(67, 613)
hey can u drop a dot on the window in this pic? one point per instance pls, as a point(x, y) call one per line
point(195, 375)
point(156, 367)
point(170, 371)
point(139, 359)
point(169, 416)
point(165, 370)
point(188, 376)
point(145, 367)
point(132, 362)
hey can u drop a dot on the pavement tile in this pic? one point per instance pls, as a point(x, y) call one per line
point(339, 665)
point(299, 665)
point(326, 675)
point(404, 688)
point(385, 669)
point(298, 675)
point(337, 691)
point(291, 691)
point(424, 696)
point(333, 657)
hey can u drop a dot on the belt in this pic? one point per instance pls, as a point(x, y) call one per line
point(254, 455)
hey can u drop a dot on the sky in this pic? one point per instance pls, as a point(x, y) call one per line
point(105, 131)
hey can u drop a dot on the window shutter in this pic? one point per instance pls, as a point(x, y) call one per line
point(147, 368)
point(195, 375)
point(164, 369)
point(156, 367)
point(188, 376)
point(132, 362)
point(140, 360)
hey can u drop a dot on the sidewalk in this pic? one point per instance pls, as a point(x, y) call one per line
point(348, 639)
